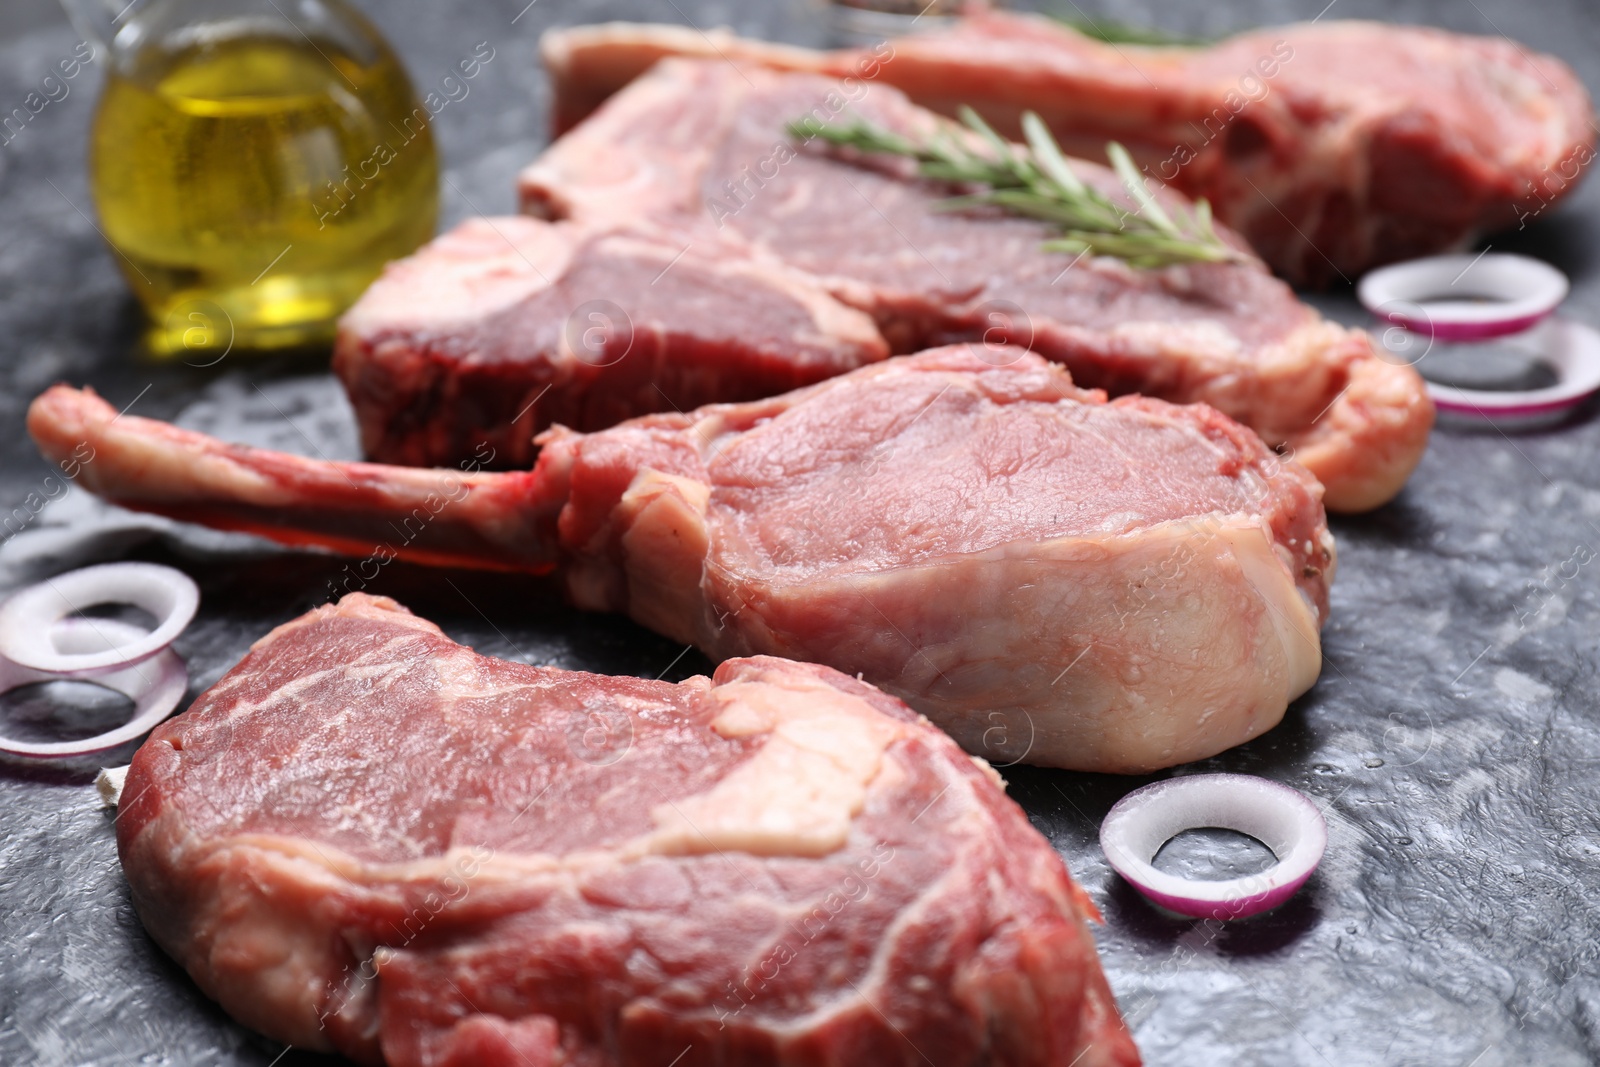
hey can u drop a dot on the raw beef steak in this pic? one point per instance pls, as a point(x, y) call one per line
point(702, 146)
point(1333, 147)
point(368, 839)
point(503, 327)
point(1111, 586)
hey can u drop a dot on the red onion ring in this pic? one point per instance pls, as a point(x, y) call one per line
point(1464, 297)
point(1572, 349)
point(28, 618)
point(155, 685)
point(1283, 819)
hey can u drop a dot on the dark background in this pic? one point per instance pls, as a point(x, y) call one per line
point(1453, 739)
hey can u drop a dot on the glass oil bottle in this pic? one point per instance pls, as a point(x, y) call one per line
point(255, 163)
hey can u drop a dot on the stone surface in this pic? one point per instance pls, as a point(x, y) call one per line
point(1453, 740)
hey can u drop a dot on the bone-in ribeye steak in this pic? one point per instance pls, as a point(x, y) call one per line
point(702, 144)
point(1333, 147)
point(1112, 586)
point(661, 154)
point(503, 327)
point(368, 839)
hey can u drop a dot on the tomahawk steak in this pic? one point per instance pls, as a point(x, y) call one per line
point(368, 839)
point(1333, 147)
point(1113, 586)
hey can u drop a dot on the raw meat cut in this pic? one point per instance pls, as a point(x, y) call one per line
point(366, 838)
point(1333, 147)
point(1112, 586)
point(701, 147)
point(503, 327)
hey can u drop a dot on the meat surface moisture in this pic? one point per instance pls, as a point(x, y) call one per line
point(1051, 577)
point(366, 838)
point(702, 146)
point(1333, 146)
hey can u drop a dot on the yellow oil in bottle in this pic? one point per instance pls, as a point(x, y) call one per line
point(253, 185)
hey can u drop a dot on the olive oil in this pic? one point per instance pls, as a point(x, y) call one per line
point(252, 184)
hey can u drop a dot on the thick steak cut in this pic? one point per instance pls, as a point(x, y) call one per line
point(503, 327)
point(1112, 586)
point(369, 839)
point(1333, 147)
point(702, 145)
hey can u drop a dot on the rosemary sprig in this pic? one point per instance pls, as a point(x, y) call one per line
point(1035, 180)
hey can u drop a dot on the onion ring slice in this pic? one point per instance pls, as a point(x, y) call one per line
point(155, 685)
point(1573, 351)
point(1506, 294)
point(1283, 819)
point(28, 619)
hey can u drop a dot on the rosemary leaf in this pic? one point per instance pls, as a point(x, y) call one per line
point(1048, 155)
point(1128, 172)
point(997, 144)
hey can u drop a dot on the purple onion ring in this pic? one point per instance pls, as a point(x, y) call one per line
point(27, 617)
point(1572, 350)
point(1464, 297)
point(155, 684)
point(1283, 819)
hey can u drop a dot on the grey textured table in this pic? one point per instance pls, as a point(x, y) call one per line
point(1454, 736)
